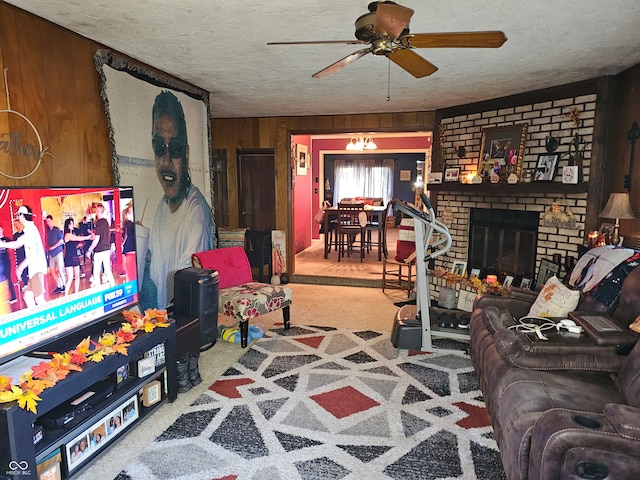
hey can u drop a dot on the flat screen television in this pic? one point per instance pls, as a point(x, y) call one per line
point(25, 325)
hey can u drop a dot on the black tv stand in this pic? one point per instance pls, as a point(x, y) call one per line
point(19, 456)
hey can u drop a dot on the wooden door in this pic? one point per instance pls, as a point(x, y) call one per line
point(220, 187)
point(256, 189)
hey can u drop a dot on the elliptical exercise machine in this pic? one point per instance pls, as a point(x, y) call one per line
point(412, 324)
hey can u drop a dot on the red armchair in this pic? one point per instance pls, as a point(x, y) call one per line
point(239, 296)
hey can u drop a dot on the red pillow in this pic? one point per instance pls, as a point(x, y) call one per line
point(231, 264)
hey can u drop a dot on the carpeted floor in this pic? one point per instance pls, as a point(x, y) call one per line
point(326, 403)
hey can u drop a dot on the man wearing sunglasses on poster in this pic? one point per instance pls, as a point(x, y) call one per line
point(183, 221)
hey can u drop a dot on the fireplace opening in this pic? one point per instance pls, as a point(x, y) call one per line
point(503, 242)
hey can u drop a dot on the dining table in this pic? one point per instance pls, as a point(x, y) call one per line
point(375, 213)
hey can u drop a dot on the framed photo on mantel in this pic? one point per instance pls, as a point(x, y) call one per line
point(546, 168)
point(502, 150)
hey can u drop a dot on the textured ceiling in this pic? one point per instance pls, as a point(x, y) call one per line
point(221, 46)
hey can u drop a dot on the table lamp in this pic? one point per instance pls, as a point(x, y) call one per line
point(617, 207)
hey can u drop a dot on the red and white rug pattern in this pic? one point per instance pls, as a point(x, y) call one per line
point(324, 403)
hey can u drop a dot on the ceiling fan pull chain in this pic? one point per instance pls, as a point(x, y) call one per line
point(389, 80)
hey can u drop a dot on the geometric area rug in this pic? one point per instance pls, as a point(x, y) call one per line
point(319, 403)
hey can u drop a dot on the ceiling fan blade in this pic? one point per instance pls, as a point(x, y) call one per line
point(315, 42)
point(391, 19)
point(412, 62)
point(340, 64)
point(493, 39)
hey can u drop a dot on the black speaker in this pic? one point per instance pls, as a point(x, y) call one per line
point(195, 295)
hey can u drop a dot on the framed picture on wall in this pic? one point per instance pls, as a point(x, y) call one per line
point(303, 159)
point(405, 175)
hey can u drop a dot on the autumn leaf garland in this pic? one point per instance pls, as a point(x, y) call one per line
point(47, 373)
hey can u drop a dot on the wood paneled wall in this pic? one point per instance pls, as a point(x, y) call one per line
point(52, 81)
point(626, 112)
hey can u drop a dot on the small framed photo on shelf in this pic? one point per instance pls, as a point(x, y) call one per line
point(546, 168)
point(607, 229)
point(475, 273)
point(151, 393)
point(525, 283)
point(465, 300)
point(570, 174)
point(434, 178)
point(547, 270)
point(452, 174)
point(459, 267)
point(508, 281)
point(122, 373)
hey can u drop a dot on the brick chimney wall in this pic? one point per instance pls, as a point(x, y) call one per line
point(543, 119)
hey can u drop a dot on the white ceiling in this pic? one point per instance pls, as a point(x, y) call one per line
point(221, 46)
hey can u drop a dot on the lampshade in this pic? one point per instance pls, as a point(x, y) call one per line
point(618, 207)
point(361, 144)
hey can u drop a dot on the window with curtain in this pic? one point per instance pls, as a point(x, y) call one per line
point(363, 178)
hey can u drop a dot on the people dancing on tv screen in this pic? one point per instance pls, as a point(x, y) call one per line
point(5, 260)
point(35, 261)
point(101, 249)
point(72, 254)
point(183, 221)
point(18, 228)
point(4, 289)
point(55, 247)
point(86, 228)
point(129, 243)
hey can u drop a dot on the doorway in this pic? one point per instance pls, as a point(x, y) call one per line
point(256, 189)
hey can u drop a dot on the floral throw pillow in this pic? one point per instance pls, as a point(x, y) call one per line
point(554, 300)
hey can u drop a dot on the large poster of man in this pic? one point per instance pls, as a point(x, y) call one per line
point(161, 141)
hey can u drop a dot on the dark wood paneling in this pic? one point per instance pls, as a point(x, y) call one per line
point(53, 82)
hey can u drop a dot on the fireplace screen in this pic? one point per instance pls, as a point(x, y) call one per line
point(503, 241)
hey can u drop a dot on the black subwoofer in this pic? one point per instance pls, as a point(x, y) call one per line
point(196, 296)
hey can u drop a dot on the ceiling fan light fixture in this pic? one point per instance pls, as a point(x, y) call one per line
point(360, 144)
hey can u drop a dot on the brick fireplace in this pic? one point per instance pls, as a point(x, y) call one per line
point(454, 201)
point(454, 208)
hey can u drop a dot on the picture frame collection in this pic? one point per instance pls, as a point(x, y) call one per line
point(547, 269)
point(101, 433)
point(501, 154)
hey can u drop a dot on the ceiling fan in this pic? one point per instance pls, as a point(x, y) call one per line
point(386, 29)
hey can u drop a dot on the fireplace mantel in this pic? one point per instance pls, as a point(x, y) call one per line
point(503, 188)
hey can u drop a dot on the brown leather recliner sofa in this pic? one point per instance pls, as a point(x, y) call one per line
point(566, 408)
